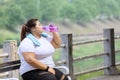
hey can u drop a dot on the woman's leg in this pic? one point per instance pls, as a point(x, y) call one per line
point(60, 75)
point(38, 75)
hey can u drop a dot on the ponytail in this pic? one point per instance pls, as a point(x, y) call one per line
point(23, 32)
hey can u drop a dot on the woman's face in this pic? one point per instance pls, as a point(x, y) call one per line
point(38, 28)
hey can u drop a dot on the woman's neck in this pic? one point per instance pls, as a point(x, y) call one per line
point(37, 36)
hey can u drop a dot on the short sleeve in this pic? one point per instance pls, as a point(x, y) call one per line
point(49, 38)
point(27, 46)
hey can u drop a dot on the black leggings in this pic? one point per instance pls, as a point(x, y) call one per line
point(43, 75)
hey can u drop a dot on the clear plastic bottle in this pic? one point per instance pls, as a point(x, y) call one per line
point(50, 28)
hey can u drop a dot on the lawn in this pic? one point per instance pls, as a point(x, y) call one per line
point(85, 50)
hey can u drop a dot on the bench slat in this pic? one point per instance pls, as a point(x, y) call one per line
point(10, 68)
point(9, 63)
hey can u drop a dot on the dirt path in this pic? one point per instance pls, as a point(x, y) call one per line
point(91, 27)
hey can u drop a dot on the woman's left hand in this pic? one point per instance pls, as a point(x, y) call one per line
point(51, 70)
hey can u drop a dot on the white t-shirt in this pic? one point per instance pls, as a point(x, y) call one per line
point(43, 52)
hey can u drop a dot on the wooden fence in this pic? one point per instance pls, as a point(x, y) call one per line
point(10, 54)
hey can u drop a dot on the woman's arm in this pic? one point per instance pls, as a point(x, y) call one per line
point(30, 58)
point(56, 41)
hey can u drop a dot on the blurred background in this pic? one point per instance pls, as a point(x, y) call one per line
point(71, 16)
point(81, 17)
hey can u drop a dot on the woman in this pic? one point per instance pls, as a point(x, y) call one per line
point(36, 50)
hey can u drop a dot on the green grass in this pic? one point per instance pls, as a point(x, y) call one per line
point(83, 65)
point(85, 50)
point(90, 75)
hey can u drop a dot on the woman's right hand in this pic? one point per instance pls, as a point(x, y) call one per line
point(51, 70)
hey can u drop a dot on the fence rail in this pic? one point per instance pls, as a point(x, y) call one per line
point(90, 41)
point(89, 56)
point(10, 50)
point(4, 55)
point(9, 54)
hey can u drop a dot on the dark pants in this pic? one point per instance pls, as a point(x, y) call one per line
point(43, 75)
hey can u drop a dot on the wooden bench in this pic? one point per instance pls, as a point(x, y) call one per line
point(13, 65)
point(9, 66)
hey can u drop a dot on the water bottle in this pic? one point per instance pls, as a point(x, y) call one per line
point(50, 28)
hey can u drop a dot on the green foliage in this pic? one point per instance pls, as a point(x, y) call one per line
point(13, 17)
point(68, 12)
point(7, 35)
point(15, 12)
point(49, 10)
point(30, 9)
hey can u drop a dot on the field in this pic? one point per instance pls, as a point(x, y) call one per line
point(89, 49)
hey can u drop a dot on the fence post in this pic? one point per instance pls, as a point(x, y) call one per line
point(109, 47)
point(10, 47)
point(67, 54)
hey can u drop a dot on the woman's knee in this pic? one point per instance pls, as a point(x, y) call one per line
point(51, 77)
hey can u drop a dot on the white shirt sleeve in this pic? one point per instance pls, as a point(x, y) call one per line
point(49, 38)
point(27, 46)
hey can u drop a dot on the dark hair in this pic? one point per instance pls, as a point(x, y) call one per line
point(26, 28)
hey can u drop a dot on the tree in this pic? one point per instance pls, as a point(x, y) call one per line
point(49, 10)
point(82, 11)
point(14, 17)
point(68, 12)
